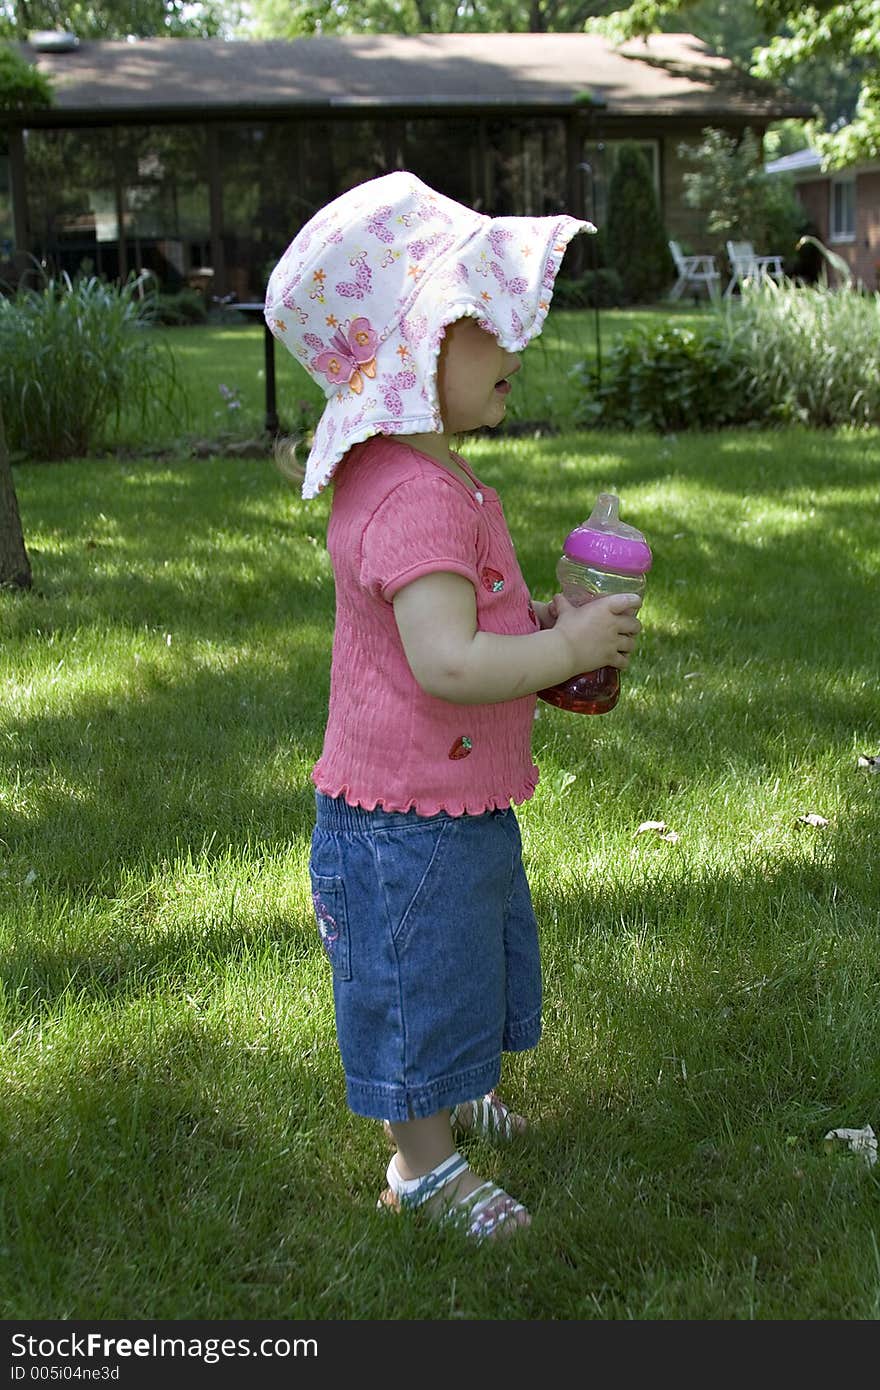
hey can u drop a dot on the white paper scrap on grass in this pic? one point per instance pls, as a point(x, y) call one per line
point(861, 1141)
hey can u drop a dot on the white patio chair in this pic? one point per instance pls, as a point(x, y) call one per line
point(693, 272)
point(745, 264)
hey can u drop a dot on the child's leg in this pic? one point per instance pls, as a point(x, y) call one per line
point(487, 1117)
point(422, 1145)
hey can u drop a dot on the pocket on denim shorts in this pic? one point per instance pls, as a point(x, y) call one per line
point(328, 897)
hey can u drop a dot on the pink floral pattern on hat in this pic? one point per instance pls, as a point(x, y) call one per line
point(365, 291)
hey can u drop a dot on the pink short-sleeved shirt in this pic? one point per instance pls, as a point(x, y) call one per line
point(397, 515)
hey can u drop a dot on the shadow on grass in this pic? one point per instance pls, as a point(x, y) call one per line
point(189, 1170)
point(211, 1157)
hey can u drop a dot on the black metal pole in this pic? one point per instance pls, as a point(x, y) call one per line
point(596, 270)
point(254, 310)
point(589, 169)
point(596, 307)
point(269, 358)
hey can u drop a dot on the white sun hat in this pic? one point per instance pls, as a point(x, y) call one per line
point(363, 295)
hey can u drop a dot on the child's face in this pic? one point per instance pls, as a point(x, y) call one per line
point(472, 374)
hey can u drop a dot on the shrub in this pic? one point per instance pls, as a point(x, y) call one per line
point(22, 86)
point(741, 201)
point(601, 289)
point(666, 379)
point(779, 354)
point(73, 356)
point(637, 245)
point(178, 310)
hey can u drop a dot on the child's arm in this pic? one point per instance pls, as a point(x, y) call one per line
point(455, 660)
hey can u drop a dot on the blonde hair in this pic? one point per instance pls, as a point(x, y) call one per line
point(284, 452)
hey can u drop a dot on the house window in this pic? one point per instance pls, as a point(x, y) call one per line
point(843, 209)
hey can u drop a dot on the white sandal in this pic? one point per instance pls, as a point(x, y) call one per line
point(490, 1119)
point(482, 1212)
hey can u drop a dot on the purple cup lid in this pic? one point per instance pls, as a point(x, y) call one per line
point(607, 542)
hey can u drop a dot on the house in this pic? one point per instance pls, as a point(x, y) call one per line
point(843, 207)
point(200, 158)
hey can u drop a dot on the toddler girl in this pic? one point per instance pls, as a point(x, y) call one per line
point(410, 310)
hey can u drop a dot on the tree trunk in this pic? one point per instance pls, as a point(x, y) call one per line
point(15, 567)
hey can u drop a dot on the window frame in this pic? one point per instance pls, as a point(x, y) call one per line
point(837, 233)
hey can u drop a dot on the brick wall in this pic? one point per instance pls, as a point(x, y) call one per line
point(863, 254)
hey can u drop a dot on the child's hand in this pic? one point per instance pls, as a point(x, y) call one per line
point(602, 632)
point(544, 612)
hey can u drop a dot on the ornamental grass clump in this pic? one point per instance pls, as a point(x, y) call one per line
point(812, 353)
point(74, 356)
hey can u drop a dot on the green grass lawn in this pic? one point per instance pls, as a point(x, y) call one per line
point(231, 355)
point(174, 1141)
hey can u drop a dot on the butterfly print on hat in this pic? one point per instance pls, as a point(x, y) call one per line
point(363, 279)
point(413, 330)
point(438, 243)
point(454, 277)
point(497, 238)
point(289, 302)
point(552, 266)
point(391, 386)
point(376, 224)
point(518, 284)
point(350, 357)
point(429, 210)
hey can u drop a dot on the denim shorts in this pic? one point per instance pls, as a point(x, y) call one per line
point(428, 925)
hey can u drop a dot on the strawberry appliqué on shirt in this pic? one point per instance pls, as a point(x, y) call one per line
point(492, 580)
point(461, 747)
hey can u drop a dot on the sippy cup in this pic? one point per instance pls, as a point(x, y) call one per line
point(601, 556)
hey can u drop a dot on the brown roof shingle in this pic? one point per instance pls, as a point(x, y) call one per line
point(667, 75)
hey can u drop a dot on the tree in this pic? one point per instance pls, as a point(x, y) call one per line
point(112, 19)
point(742, 202)
point(15, 567)
point(22, 88)
point(281, 19)
point(833, 36)
point(637, 245)
point(826, 30)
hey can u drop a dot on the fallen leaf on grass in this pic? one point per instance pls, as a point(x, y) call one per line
point(861, 1141)
point(660, 828)
point(811, 818)
point(560, 780)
